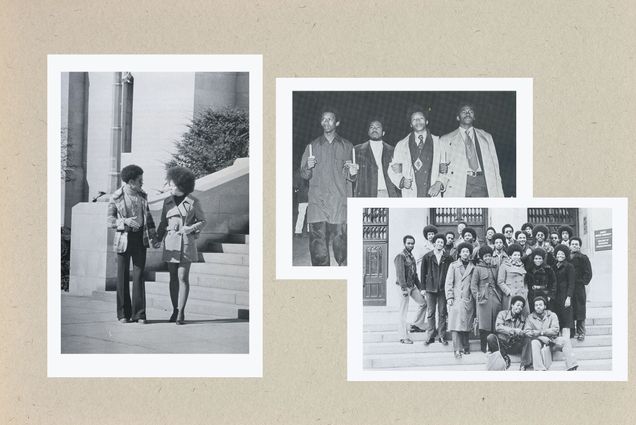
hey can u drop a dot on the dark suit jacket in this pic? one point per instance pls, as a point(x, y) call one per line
point(366, 185)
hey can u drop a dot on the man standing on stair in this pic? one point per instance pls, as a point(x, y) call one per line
point(409, 286)
point(328, 164)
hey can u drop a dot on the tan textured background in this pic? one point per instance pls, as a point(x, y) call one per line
point(581, 56)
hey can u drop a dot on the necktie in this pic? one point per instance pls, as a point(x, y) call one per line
point(418, 163)
point(473, 162)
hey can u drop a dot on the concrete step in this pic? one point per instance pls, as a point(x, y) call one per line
point(584, 365)
point(374, 315)
point(226, 258)
point(235, 248)
point(226, 296)
point(199, 307)
point(388, 333)
point(395, 347)
point(210, 281)
point(220, 269)
point(410, 360)
point(238, 238)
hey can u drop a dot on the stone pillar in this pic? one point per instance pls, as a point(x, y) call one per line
point(74, 130)
point(214, 90)
point(93, 259)
point(115, 138)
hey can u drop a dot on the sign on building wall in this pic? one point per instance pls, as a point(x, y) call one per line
point(603, 240)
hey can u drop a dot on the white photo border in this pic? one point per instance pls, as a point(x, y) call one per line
point(285, 87)
point(156, 365)
point(355, 369)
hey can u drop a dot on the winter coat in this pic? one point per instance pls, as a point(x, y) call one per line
point(488, 296)
point(540, 281)
point(179, 247)
point(583, 276)
point(462, 312)
point(565, 282)
point(118, 210)
point(511, 280)
point(434, 273)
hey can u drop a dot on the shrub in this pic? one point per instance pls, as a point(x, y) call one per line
point(215, 138)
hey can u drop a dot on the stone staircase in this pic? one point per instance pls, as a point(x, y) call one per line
point(219, 285)
point(383, 351)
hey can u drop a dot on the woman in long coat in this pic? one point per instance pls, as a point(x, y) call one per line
point(512, 277)
point(565, 282)
point(460, 301)
point(182, 220)
point(540, 278)
point(488, 296)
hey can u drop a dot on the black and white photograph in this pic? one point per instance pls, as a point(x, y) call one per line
point(160, 233)
point(460, 140)
point(454, 292)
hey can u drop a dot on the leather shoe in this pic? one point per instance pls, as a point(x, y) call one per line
point(443, 341)
point(467, 351)
point(415, 329)
point(124, 320)
point(142, 321)
point(429, 341)
point(181, 318)
point(406, 341)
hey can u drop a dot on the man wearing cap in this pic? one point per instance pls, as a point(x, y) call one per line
point(510, 338)
point(416, 166)
point(542, 327)
point(409, 285)
point(373, 158)
point(471, 157)
point(327, 164)
point(433, 271)
point(583, 276)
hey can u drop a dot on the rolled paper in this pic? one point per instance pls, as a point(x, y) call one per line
point(311, 152)
point(354, 156)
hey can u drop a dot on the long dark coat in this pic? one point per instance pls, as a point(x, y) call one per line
point(488, 296)
point(583, 276)
point(462, 312)
point(565, 281)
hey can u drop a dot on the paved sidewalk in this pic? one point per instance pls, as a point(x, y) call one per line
point(90, 325)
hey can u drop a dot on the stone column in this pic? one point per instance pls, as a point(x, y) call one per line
point(74, 130)
point(115, 137)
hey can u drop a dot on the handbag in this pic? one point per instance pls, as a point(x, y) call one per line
point(495, 361)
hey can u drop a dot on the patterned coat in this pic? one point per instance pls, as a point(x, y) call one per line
point(402, 155)
point(179, 247)
point(118, 211)
point(462, 312)
point(455, 154)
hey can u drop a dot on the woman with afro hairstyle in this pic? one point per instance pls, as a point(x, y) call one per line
point(181, 221)
point(512, 277)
